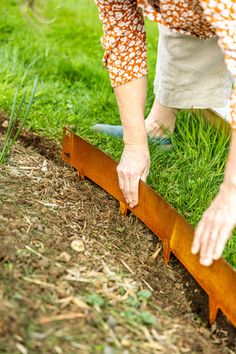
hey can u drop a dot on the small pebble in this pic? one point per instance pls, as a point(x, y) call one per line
point(43, 263)
point(44, 210)
point(5, 124)
point(125, 342)
point(112, 322)
point(213, 327)
point(64, 257)
point(77, 245)
point(108, 350)
point(44, 167)
point(40, 227)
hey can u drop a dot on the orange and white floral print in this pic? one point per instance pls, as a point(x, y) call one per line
point(222, 15)
point(124, 38)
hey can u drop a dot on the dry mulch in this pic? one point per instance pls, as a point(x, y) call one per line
point(78, 278)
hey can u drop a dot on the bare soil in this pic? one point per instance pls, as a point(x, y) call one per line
point(73, 270)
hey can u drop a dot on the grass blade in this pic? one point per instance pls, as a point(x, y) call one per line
point(8, 143)
point(26, 113)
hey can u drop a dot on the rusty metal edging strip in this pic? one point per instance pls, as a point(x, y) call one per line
point(218, 121)
point(218, 281)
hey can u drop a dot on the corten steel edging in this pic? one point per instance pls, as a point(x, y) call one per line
point(218, 281)
point(216, 120)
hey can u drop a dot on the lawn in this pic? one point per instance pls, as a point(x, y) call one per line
point(74, 89)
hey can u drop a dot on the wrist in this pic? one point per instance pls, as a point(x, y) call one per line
point(134, 136)
point(228, 185)
point(136, 141)
point(137, 150)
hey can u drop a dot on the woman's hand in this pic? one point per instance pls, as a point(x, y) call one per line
point(133, 167)
point(216, 226)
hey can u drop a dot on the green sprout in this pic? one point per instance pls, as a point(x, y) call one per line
point(15, 127)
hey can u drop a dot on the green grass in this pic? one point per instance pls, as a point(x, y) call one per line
point(16, 124)
point(74, 89)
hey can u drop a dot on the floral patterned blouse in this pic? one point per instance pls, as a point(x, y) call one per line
point(124, 38)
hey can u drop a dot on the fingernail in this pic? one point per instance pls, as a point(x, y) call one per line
point(216, 257)
point(194, 250)
point(206, 262)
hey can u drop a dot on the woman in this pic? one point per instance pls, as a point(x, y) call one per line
point(191, 24)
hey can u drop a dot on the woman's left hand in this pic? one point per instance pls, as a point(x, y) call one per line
point(216, 226)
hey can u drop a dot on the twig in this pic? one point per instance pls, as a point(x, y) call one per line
point(35, 252)
point(66, 316)
point(127, 266)
point(39, 282)
point(147, 284)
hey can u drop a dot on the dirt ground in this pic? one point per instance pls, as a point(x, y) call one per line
point(76, 277)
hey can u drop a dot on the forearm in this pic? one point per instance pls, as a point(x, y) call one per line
point(230, 170)
point(131, 99)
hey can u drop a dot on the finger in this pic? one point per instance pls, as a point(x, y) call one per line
point(127, 192)
point(212, 239)
point(205, 239)
point(197, 237)
point(224, 235)
point(145, 175)
point(121, 183)
point(124, 185)
point(134, 191)
point(208, 247)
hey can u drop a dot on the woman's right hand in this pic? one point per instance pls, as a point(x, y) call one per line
point(133, 167)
